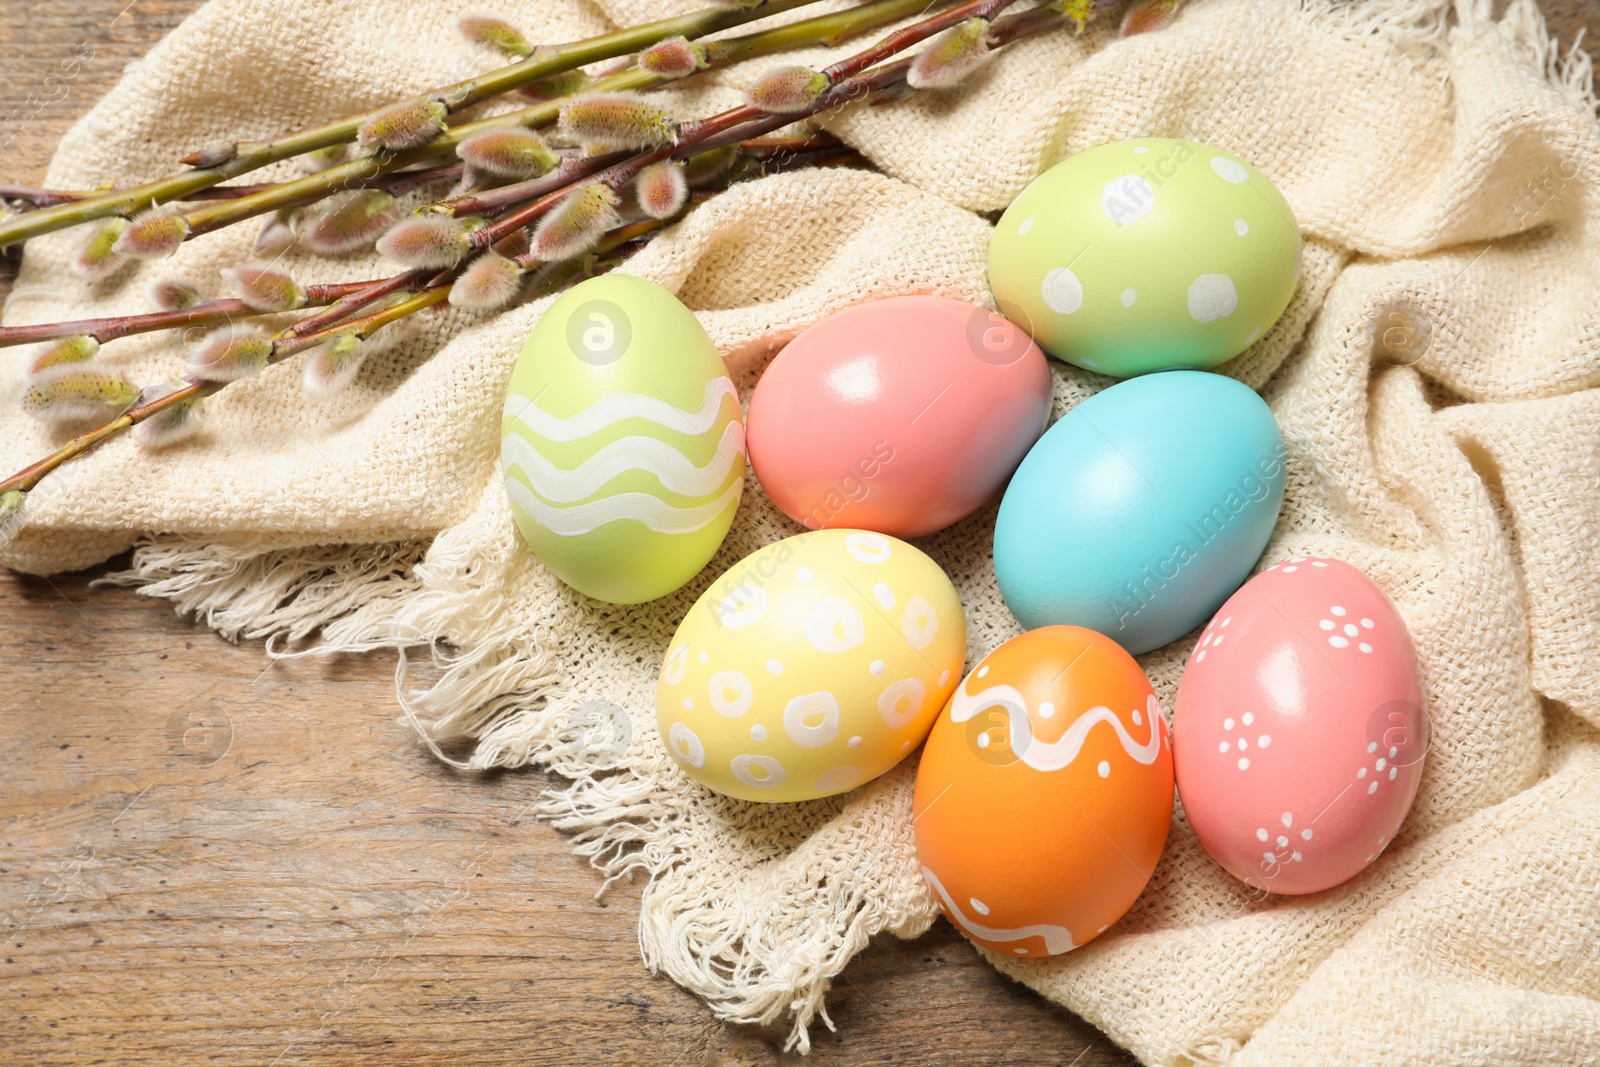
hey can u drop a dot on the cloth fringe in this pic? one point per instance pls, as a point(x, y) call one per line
point(501, 693)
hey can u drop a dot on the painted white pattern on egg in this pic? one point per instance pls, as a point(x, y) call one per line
point(686, 746)
point(649, 511)
point(1229, 170)
point(1211, 297)
point(1061, 752)
point(812, 719)
point(731, 693)
point(834, 626)
point(676, 471)
point(1061, 291)
point(867, 547)
point(920, 623)
point(758, 772)
point(1127, 199)
point(900, 703)
point(742, 606)
point(677, 663)
point(610, 408)
point(1057, 939)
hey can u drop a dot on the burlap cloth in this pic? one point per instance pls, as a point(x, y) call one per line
point(1435, 379)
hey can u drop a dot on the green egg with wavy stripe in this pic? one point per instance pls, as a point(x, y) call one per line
point(621, 441)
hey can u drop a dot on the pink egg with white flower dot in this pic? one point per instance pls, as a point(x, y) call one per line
point(1300, 727)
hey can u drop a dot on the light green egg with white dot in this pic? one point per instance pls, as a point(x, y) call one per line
point(1145, 255)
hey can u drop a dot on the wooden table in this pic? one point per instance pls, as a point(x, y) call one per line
point(207, 857)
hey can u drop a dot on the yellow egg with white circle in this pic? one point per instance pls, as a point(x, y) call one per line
point(813, 665)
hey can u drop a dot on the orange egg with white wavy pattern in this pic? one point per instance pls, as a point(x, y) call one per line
point(1045, 793)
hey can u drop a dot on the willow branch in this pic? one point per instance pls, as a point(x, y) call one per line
point(207, 312)
point(51, 197)
point(727, 128)
point(824, 29)
point(916, 33)
point(764, 147)
point(250, 156)
point(368, 172)
point(397, 182)
point(734, 125)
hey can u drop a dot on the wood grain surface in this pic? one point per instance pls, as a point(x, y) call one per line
point(206, 857)
point(209, 858)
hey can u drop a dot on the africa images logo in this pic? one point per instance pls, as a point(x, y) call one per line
point(1252, 488)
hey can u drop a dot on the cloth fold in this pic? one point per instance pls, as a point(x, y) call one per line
point(1435, 378)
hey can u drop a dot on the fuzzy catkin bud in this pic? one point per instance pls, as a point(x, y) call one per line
point(662, 189)
point(577, 223)
point(490, 281)
point(97, 257)
point(75, 393)
point(703, 168)
point(515, 243)
point(60, 353)
point(511, 153)
point(403, 125)
point(12, 503)
point(1079, 11)
point(556, 86)
point(230, 354)
point(171, 424)
point(212, 155)
point(154, 235)
point(332, 366)
point(787, 90)
point(350, 222)
point(320, 159)
point(675, 57)
point(951, 57)
point(484, 29)
point(431, 241)
point(264, 289)
point(277, 233)
point(609, 121)
point(171, 294)
point(1147, 15)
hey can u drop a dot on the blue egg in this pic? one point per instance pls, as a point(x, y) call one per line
point(1142, 509)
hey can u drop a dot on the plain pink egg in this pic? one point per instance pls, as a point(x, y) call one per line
point(1299, 731)
point(901, 415)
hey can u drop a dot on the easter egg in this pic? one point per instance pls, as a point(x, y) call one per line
point(1142, 508)
point(621, 441)
point(901, 415)
point(813, 665)
point(1044, 795)
point(1146, 254)
point(1300, 727)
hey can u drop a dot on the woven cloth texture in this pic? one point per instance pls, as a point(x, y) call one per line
point(1435, 378)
